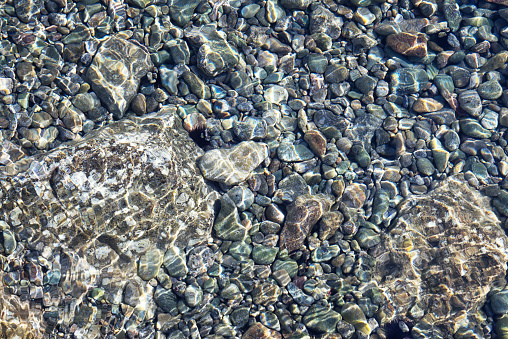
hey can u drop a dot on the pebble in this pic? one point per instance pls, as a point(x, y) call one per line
point(470, 102)
point(321, 319)
point(408, 81)
point(116, 71)
point(302, 215)
point(490, 90)
point(408, 44)
point(149, 264)
point(234, 165)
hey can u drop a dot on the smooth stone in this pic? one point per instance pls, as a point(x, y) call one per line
point(440, 155)
point(84, 102)
point(408, 81)
point(292, 186)
point(425, 166)
point(408, 44)
point(250, 129)
point(366, 84)
point(193, 295)
point(321, 319)
point(166, 300)
point(27, 9)
point(354, 195)
point(299, 296)
point(227, 226)
point(490, 119)
point(452, 14)
point(380, 205)
point(264, 255)
point(421, 224)
point(169, 79)
point(490, 90)
point(302, 215)
point(470, 102)
point(215, 54)
point(138, 104)
point(472, 128)
point(149, 264)
point(175, 263)
point(367, 238)
point(265, 294)
point(426, 105)
point(41, 120)
point(116, 71)
point(276, 94)
point(234, 165)
point(196, 85)
point(6, 86)
point(259, 331)
point(242, 197)
point(317, 63)
point(290, 266)
point(240, 316)
point(250, 11)
point(335, 73)
point(316, 141)
point(9, 242)
point(499, 302)
point(181, 11)
point(295, 4)
point(289, 152)
point(352, 314)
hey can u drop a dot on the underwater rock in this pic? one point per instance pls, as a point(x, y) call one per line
point(117, 198)
point(444, 253)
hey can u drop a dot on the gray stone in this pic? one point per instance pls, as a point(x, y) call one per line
point(289, 152)
point(116, 71)
point(149, 264)
point(408, 81)
point(234, 165)
point(136, 190)
point(437, 225)
point(228, 226)
point(490, 90)
point(321, 319)
point(215, 54)
point(470, 102)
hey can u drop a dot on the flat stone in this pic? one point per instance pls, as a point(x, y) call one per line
point(490, 90)
point(426, 247)
point(149, 264)
point(289, 152)
point(408, 81)
point(215, 54)
point(259, 331)
point(227, 226)
point(408, 44)
point(302, 215)
point(234, 165)
point(470, 102)
point(321, 319)
point(108, 201)
point(426, 105)
point(116, 71)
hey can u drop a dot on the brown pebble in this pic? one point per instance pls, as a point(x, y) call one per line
point(408, 44)
point(316, 141)
point(138, 104)
point(259, 331)
point(426, 105)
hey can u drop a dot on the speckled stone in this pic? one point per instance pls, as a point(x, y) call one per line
point(447, 227)
point(215, 54)
point(321, 319)
point(105, 226)
point(408, 44)
point(302, 215)
point(116, 71)
point(234, 165)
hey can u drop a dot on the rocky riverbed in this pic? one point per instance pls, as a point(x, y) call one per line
point(253, 169)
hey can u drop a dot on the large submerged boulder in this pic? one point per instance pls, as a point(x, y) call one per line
point(94, 218)
point(439, 260)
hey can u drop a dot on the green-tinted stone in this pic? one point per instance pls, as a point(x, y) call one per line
point(490, 90)
point(263, 255)
point(227, 226)
point(367, 238)
point(149, 264)
point(353, 314)
point(321, 319)
point(472, 128)
point(174, 262)
point(379, 206)
point(290, 266)
point(425, 166)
